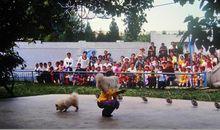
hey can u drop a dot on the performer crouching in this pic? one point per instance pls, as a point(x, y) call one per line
point(107, 100)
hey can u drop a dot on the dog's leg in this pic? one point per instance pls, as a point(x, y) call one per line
point(77, 108)
point(65, 110)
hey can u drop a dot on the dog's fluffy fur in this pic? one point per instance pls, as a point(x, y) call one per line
point(106, 82)
point(63, 104)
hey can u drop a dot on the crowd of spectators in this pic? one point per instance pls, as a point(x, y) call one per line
point(142, 69)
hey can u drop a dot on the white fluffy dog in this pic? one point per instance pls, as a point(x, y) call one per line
point(63, 104)
point(106, 82)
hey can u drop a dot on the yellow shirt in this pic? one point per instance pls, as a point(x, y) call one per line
point(107, 96)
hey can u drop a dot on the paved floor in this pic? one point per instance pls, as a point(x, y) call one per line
point(39, 112)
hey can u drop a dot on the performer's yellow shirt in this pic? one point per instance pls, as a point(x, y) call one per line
point(107, 96)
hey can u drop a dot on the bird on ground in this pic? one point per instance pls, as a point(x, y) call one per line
point(97, 95)
point(217, 105)
point(194, 102)
point(169, 100)
point(144, 99)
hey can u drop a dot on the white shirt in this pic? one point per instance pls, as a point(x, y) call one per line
point(132, 70)
point(107, 64)
point(98, 65)
point(84, 63)
point(68, 62)
point(162, 77)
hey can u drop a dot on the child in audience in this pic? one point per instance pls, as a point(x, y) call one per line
point(183, 78)
point(161, 78)
point(152, 78)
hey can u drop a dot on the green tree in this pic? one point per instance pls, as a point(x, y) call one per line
point(72, 28)
point(22, 20)
point(135, 12)
point(113, 34)
point(205, 31)
point(101, 37)
point(134, 21)
point(89, 34)
point(144, 38)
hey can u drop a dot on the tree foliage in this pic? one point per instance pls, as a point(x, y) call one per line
point(205, 31)
point(113, 34)
point(36, 19)
point(144, 38)
point(89, 34)
point(135, 18)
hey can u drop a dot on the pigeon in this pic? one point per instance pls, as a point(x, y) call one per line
point(169, 100)
point(97, 95)
point(194, 102)
point(144, 99)
point(217, 105)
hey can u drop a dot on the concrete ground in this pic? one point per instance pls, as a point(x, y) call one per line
point(39, 112)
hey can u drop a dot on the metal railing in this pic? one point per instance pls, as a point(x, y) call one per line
point(23, 75)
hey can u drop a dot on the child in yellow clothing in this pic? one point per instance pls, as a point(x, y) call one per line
point(108, 101)
point(183, 79)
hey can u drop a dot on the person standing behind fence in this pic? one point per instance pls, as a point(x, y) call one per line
point(169, 69)
point(133, 58)
point(93, 59)
point(61, 74)
point(163, 50)
point(45, 74)
point(152, 78)
point(161, 78)
point(68, 62)
point(56, 72)
point(37, 72)
point(142, 53)
point(152, 49)
point(50, 70)
point(84, 61)
point(139, 62)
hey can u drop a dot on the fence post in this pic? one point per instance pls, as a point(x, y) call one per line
point(204, 79)
point(191, 80)
point(32, 76)
point(144, 78)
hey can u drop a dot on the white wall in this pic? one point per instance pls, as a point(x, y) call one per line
point(55, 51)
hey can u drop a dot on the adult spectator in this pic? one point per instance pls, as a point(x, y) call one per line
point(84, 61)
point(152, 49)
point(121, 61)
point(109, 58)
point(109, 71)
point(37, 72)
point(68, 62)
point(105, 54)
point(163, 50)
point(45, 74)
point(61, 69)
point(139, 62)
point(142, 53)
point(107, 63)
point(174, 49)
point(50, 67)
point(93, 58)
point(133, 58)
point(169, 69)
point(126, 63)
point(56, 72)
point(98, 64)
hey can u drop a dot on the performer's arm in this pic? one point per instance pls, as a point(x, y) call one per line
point(120, 91)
